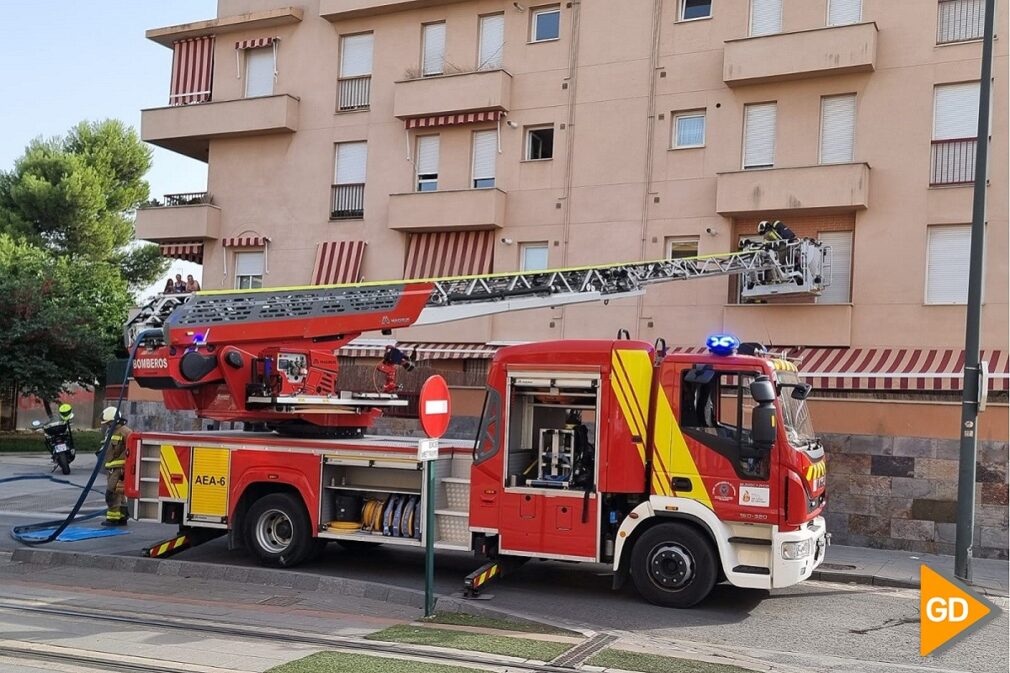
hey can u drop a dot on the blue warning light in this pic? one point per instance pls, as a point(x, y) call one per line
point(722, 344)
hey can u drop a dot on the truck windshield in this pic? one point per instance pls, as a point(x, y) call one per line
point(795, 413)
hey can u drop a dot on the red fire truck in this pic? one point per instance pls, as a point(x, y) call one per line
point(678, 470)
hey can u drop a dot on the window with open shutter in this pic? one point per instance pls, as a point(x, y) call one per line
point(492, 42)
point(838, 128)
point(840, 289)
point(356, 55)
point(485, 154)
point(427, 163)
point(759, 135)
point(955, 112)
point(765, 17)
point(843, 12)
point(947, 261)
point(433, 50)
point(259, 72)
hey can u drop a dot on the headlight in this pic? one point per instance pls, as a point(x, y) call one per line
point(797, 550)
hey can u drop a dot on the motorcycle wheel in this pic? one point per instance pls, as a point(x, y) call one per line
point(63, 462)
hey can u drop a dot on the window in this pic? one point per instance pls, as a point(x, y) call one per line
point(259, 72)
point(492, 42)
point(759, 135)
point(348, 200)
point(485, 154)
point(688, 129)
point(844, 12)
point(546, 24)
point(765, 17)
point(427, 163)
point(959, 20)
point(533, 256)
point(539, 143)
point(838, 128)
point(679, 247)
point(354, 89)
point(433, 49)
point(695, 9)
point(947, 261)
point(955, 124)
point(839, 290)
point(248, 270)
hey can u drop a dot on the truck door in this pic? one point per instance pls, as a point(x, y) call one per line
point(208, 491)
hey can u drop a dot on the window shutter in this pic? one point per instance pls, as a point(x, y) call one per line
point(955, 112)
point(959, 20)
point(765, 17)
point(838, 128)
point(433, 58)
point(759, 135)
point(427, 155)
point(485, 150)
point(351, 160)
point(842, 12)
point(356, 55)
point(259, 72)
point(947, 264)
point(840, 290)
point(492, 41)
point(249, 264)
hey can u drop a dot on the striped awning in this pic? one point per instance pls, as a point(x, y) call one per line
point(338, 262)
point(192, 69)
point(256, 43)
point(191, 251)
point(425, 351)
point(454, 119)
point(449, 253)
point(914, 369)
point(249, 241)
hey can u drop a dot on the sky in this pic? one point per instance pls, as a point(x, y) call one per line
point(70, 60)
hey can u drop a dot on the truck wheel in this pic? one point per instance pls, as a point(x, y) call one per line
point(63, 462)
point(278, 530)
point(673, 565)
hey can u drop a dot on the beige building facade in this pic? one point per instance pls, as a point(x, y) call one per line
point(378, 139)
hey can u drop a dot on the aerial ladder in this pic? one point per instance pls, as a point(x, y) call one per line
point(269, 357)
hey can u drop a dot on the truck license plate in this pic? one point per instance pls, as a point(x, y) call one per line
point(60, 448)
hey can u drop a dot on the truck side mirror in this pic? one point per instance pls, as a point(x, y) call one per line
point(762, 390)
point(763, 420)
point(801, 391)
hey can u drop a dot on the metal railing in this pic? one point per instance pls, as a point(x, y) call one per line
point(959, 20)
point(348, 202)
point(187, 198)
point(353, 93)
point(952, 162)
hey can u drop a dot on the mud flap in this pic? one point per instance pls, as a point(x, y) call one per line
point(185, 539)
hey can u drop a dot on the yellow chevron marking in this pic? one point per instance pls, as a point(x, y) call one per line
point(631, 377)
point(676, 456)
point(171, 466)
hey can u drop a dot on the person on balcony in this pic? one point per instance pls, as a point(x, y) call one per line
point(169, 287)
point(180, 284)
point(192, 285)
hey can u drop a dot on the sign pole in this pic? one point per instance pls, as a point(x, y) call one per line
point(434, 404)
point(429, 542)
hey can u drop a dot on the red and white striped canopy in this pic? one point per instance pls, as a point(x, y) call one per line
point(190, 251)
point(425, 351)
point(449, 253)
point(249, 241)
point(256, 43)
point(338, 262)
point(454, 119)
point(192, 66)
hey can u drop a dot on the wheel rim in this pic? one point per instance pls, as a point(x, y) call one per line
point(671, 566)
point(274, 531)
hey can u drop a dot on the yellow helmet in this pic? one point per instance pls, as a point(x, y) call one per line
point(66, 412)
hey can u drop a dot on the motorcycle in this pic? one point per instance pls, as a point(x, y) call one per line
point(59, 440)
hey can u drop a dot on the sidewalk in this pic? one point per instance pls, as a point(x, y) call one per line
point(889, 568)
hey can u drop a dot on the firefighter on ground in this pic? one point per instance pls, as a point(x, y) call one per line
point(115, 461)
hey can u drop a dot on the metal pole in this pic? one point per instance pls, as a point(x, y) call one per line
point(972, 375)
point(429, 540)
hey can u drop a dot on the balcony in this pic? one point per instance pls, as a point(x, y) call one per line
point(800, 190)
point(347, 201)
point(226, 24)
point(456, 210)
point(188, 129)
point(952, 162)
point(798, 324)
point(809, 53)
point(184, 217)
point(449, 94)
point(338, 10)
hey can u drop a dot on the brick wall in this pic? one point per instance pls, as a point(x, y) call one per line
point(901, 493)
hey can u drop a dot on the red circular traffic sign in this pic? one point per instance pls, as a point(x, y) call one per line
point(434, 406)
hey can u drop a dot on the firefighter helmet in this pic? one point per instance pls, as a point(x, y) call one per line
point(109, 414)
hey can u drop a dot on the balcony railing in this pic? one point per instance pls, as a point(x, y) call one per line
point(953, 162)
point(353, 93)
point(187, 199)
point(348, 202)
point(959, 20)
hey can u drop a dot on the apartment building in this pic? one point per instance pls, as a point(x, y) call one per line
point(378, 139)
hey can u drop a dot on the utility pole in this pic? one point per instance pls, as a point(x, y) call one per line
point(972, 374)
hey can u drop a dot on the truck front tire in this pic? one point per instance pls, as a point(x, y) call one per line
point(278, 531)
point(674, 565)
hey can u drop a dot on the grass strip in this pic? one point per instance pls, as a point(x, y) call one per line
point(463, 619)
point(340, 662)
point(474, 642)
point(27, 442)
point(655, 663)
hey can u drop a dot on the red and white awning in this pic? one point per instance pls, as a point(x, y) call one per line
point(247, 241)
point(425, 351)
point(449, 253)
point(454, 119)
point(190, 251)
point(192, 69)
point(338, 262)
point(256, 43)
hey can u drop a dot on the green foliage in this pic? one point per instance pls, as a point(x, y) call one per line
point(86, 441)
point(141, 264)
point(525, 648)
point(655, 663)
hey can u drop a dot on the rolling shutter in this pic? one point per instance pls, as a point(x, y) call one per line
point(351, 161)
point(765, 17)
point(249, 263)
point(492, 41)
point(485, 150)
point(843, 12)
point(433, 58)
point(947, 264)
point(356, 55)
point(840, 289)
point(955, 112)
point(427, 155)
point(759, 135)
point(259, 72)
point(959, 20)
point(838, 128)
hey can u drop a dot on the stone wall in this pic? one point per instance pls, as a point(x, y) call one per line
point(901, 493)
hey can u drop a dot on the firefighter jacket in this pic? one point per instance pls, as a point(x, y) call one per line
point(115, 458)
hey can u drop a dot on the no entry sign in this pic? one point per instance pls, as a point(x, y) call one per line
point(434, 406)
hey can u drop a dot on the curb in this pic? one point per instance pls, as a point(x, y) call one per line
point(843, 577)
